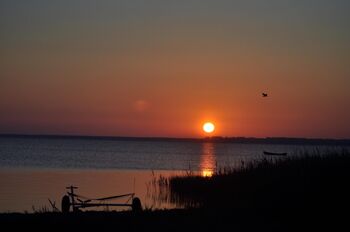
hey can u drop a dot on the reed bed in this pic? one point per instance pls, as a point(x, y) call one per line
point(304, 182)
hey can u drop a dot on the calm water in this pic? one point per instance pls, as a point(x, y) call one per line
point(78, 153)
point(34, 169)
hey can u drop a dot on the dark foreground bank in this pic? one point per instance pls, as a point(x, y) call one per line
point(176, 220)
point(309, 193)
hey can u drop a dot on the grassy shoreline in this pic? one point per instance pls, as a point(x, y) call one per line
point(299, 182)
point(299, 193)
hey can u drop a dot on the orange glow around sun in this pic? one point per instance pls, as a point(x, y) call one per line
point(208, 127)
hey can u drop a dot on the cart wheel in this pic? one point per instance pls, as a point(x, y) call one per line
point(136, 204)
point(65, 205)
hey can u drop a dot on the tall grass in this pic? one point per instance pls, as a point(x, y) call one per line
point(308, 181)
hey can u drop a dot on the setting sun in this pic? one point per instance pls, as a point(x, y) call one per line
point(208, 127)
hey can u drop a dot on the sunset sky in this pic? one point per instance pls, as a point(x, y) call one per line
point(163, 68)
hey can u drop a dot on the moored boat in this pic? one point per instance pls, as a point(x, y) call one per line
point(275, 153)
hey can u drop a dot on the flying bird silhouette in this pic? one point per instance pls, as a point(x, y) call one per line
point(264, 94)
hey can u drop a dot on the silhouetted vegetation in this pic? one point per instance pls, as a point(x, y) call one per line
point(311, 182)
point(308, 192)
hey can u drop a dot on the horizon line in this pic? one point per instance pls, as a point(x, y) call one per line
point(168, 137)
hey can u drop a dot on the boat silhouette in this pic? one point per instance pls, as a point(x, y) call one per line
point(274, 153)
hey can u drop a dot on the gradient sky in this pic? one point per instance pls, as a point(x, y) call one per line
point(162, 68)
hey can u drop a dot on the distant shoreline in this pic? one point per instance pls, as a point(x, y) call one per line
point(216, 139)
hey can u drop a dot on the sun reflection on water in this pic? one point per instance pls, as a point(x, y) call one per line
point(207, 173)
point(208, 160)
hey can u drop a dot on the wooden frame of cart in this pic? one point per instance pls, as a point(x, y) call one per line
point(74, 202)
